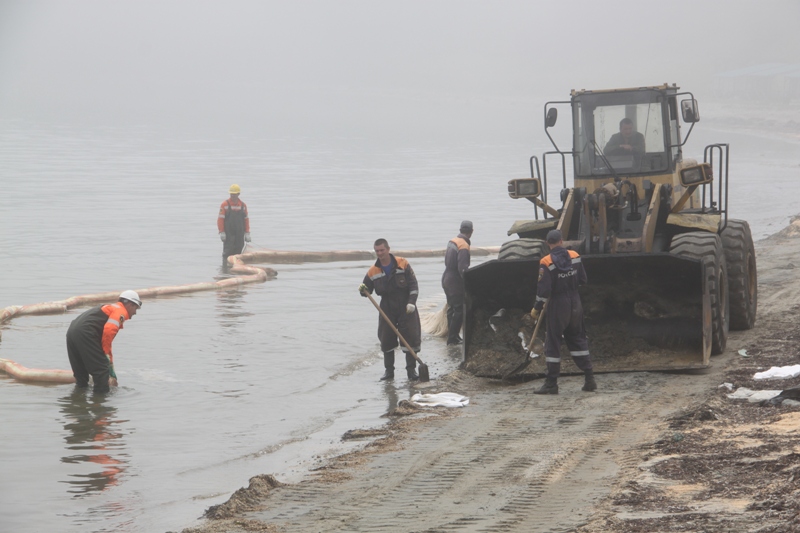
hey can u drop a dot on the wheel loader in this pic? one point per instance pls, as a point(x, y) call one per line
point(669, 272)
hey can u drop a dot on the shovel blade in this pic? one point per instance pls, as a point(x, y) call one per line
point(423, 373)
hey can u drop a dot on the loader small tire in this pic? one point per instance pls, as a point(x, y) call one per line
point(708, 247)
point(740, 255)
point(523, 249)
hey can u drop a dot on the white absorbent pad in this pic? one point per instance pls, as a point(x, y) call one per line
point(442, 399)
point(753, 396)
point(779, 372)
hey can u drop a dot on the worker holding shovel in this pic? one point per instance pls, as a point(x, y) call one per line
point(393, 279)
point(560, 273)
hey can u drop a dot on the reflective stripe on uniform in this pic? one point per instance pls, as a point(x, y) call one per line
point(582, 353)
point(414, 292)
point(552, 359)
point(540, 299)
point(112, 321)
point(377, 276)
point(551, 266)
point(576, 260)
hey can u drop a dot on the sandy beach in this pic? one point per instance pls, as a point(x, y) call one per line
point(648, 452)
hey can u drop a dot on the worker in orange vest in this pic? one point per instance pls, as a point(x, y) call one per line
point(233, 224)
point(456, 262)
point(393, 279)
point(89, 339)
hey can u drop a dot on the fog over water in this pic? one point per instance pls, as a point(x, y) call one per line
point(122, 124)
point(365, 68)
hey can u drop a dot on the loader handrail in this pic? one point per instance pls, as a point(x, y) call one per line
point(563, 168)
point(538, 175)
point(722, 172)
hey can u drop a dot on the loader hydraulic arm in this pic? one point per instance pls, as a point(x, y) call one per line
point(546, 208)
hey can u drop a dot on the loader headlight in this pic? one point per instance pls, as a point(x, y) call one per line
point(524, 188)
point(697, 175)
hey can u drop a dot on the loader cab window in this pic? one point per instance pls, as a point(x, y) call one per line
point(622, 130)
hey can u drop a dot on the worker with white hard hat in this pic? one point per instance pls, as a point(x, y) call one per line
point(233, 224)
point(89, 340)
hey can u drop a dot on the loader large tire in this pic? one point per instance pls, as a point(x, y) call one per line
point(523, 249)
point(740, 255)
point(708, 247)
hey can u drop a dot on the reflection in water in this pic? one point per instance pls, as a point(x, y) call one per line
point(231, 313)
point(91, 428)
point(391, 395)
point(230, 308)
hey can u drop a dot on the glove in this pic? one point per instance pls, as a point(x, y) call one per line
point(112, 382)
point(535, 314)
point(246, 237)
point(222, 236)
point(111, 372)
point(410, 308)
point(362, 289)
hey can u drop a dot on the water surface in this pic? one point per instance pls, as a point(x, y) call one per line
point(218, 387)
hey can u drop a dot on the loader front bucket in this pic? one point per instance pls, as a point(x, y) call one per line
point(642, 312)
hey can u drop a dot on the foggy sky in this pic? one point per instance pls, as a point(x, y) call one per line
point(354, 66)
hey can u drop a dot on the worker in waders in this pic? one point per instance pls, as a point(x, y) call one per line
point(456, 262)
point(395, 282)
point(560, 273)
point(89, 339)
point(233, 224)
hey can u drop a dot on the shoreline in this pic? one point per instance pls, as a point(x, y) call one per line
point(626, 492)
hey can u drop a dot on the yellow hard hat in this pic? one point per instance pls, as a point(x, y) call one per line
point(235, 189)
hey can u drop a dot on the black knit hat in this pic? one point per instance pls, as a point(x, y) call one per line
point(554, 236)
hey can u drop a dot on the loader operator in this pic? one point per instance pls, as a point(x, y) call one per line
point(233, 224)
point(456, 262)
point(89, 339)
point(393, 279)
point(626, 142)
point(560, 273)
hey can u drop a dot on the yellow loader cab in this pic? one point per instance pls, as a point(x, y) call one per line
point(669, 272)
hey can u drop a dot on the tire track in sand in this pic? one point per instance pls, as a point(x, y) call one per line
point(511, 461)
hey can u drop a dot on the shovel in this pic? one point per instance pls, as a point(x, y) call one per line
point(528, 355)
point(423, 368)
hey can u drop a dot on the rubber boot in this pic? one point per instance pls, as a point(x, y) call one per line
point(550, 387)
point(452, 341)
point(388, 363)
point(411, 367)
point(590, 385)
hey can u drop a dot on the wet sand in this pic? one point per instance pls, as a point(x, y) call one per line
point(647, 452)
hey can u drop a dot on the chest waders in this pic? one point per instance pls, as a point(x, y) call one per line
point(234, 231)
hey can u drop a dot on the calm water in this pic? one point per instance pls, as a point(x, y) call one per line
point(217, 387)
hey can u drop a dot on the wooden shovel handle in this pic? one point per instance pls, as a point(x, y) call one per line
point(391, 325)
point(536, 329)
